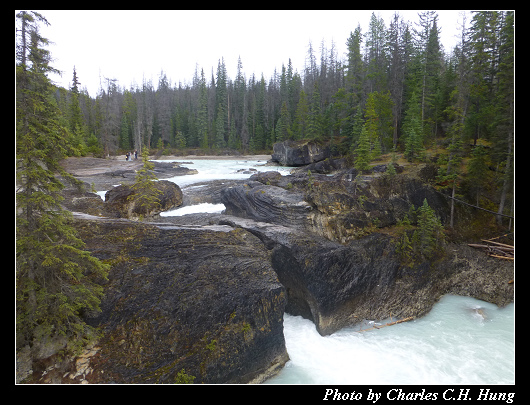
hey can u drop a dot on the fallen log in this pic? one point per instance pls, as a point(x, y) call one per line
point(499, 244)
point(496, 249)
point(503, 257)
point(503, 248)
point(387, 324)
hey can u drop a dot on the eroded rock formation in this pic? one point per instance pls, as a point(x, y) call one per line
point(204, 300)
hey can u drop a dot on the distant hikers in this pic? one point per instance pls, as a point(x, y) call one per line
point(129, 155)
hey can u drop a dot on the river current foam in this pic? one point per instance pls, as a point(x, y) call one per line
point(461, 341)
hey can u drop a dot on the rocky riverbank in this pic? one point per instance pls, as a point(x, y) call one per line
point(203, 295)
point(102, 174)
point(333, 246)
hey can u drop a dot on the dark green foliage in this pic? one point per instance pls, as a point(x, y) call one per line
point(429, 237)
point(425, 241)
point(145, 195)
point(202, 114)
point(363, 154)
point(283, 127)
point(56, 280)
point(477, 172)
point(412, 129)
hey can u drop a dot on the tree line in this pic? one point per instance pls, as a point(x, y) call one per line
point(396, 89)
point(398, 72)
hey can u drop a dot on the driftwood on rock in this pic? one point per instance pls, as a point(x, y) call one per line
point(496, 249)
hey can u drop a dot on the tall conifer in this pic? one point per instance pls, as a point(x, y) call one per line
point(55, 278)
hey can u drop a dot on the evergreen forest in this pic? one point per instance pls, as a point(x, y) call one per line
point(396, 90)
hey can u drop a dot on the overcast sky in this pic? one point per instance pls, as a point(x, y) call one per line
point(129, 45)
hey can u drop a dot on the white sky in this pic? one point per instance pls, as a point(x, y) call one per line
point(131, 44)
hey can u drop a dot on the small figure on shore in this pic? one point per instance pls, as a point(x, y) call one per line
point(127, 156)
point(135, 154)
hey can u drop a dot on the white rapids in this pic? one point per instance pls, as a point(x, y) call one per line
point(461, 341)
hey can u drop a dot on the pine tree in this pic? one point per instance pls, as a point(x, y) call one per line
point(146, 196)
point(429, 238)
point(371, 127)
point(283, 127)
point(55, 277)
point(314, 127)
point(301, 117)
point(477, 171)
point(75, 109)
point(202, 114)
point(363, 151)
point(504, 121)
point(412, 129)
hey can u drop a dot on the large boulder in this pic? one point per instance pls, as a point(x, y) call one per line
point(299, 153)
point(182, 301)
point(266, 203)
point(120, 201)
point(80, 199)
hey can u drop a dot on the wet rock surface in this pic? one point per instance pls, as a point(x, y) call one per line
point(204, 300)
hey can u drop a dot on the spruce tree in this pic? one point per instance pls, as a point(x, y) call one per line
point(301, 117)
point(362, 152)
point(477, 171)
point(283, 127)
point(220, 128)
point(75, 109)
point(146, 195)
point(124, 133)
point(371, 127)
point(56, 280)
point(222, 107)
point(314, 127)
point(202, 114)
point(429, 238)
point(412, 129)
point(355, 67)
point(233, 141)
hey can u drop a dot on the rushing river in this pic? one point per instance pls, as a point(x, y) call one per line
point(217, 169)
point(461, 341)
